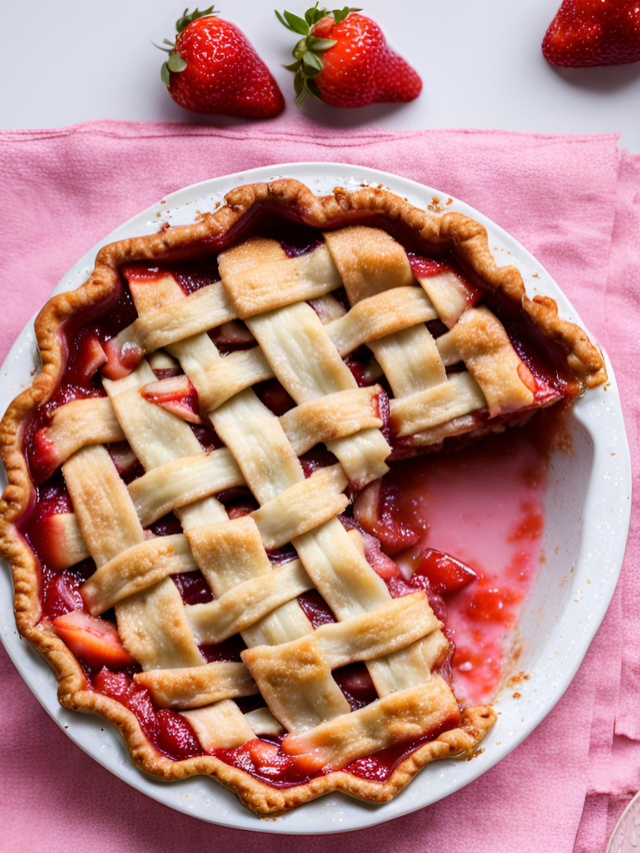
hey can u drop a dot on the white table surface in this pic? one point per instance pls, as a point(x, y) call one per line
point(79, 60)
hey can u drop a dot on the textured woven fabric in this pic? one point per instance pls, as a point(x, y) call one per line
point(573, 202)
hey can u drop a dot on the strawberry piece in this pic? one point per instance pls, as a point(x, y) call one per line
point(122, 457)
point(213, 68)
point(343, 59)
point(88, 359)
point(356, 684)
point(120, 360)
point(117, 685)
point(175, 735)
point(63, 596)
point(266, 758)
point(231, 336)
point(177, 395)
point(527, 377)
point(261, 751)
point(240, 510)
point(93, 640)
point(43, 457)
point(377, 510)
point(594, 32)
point(315, 608)
point(274, 396)
point(445, 573)
point(50, 535)
point(306, 763)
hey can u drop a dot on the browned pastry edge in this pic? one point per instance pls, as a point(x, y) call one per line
point(451, 230)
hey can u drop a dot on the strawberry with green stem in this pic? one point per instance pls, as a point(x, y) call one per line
point(343, 59)
point(213, 68)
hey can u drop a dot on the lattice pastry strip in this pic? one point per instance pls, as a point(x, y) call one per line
point(279, 332)
point(198, 686)
point(186, 479)
point(78, 424)
point(338, 569)
point(448, 294)
point(152, 623)
point(245, 420)
point(146, 427)
point(296, 345)
point(246, 604)
point(283, 673)
point(306, 277)
point(263, 432)
point(485, 348)
point(410, 358)
point(282, 624)
point(403, 715)
point(250, 285)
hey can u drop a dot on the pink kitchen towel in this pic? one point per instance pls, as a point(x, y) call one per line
point(574, 202)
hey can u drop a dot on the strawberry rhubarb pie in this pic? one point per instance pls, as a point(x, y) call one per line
point(201, 516)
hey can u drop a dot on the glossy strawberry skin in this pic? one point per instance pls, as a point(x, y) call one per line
point(224, 74)
point(594, 32)
point(361, 69)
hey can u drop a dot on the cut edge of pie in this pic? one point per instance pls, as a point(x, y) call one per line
point(289, 199)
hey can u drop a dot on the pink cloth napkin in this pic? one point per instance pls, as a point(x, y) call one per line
point(574, 202)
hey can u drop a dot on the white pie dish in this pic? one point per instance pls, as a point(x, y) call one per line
point(587, 522)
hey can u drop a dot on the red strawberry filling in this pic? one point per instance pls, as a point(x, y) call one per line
point(167, 730)
point(376, 510)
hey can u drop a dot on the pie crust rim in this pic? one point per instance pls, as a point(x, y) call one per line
point(451, 229)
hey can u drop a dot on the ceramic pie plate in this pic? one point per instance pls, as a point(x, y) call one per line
point(588, 507)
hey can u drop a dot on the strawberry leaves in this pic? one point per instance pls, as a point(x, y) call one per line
point(294, 23)
point(187, 17)
point(308, 51)
point(340, 14)
point(175, 61)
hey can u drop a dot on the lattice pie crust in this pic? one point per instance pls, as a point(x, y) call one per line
point(304, 346)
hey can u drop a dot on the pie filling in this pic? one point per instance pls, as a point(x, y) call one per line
point(432, 358)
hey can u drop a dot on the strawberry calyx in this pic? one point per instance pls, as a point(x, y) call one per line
point(314, 29)
point(175, 61)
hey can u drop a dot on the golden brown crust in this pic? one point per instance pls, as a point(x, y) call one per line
point(452, 230)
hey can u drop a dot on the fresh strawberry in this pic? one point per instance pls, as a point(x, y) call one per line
point(445, 573)
point(213, 68)
point(343, 59)
point(93, 640)
point(594, 32)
